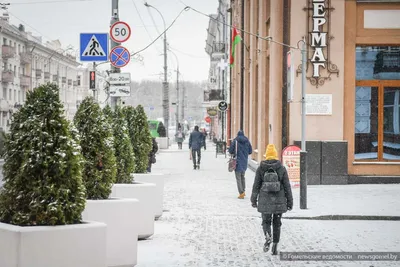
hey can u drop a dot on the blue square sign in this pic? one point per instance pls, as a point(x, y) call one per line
point(94, 47)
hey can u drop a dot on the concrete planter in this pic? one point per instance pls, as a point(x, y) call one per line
point(78, 245)
point(146, 194)
point(158, 180)
point(162, 142)
point(121, 217)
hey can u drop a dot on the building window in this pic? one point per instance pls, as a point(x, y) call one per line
point(377, 107)
point(4, 41)
point(9, 94)
point(15, 71)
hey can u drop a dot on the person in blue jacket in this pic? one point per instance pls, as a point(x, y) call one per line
point(244, 149)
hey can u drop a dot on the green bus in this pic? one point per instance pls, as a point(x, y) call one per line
point(153, 126)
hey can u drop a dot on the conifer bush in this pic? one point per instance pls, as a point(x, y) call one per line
point(122, 145)
point(140, 136)
point(97, 143)
point(43, 165)
point(142, 143)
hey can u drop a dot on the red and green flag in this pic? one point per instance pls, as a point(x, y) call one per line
point(235, 40)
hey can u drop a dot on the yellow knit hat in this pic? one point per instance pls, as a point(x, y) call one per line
point(271, 153)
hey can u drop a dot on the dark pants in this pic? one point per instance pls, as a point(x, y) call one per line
point(240, 181)
point(194, 152)
point(180, 145)
point(275, 220)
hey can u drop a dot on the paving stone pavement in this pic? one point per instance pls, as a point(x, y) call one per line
point(204, 224)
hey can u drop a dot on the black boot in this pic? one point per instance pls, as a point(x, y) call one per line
point(198, 166)
point(274, 249)
point(267, 243)
point(194, 167)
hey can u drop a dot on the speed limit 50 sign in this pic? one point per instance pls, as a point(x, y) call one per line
point(120, 32)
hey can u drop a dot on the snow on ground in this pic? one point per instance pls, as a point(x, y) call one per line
point(204, 224)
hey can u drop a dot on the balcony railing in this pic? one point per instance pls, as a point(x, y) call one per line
point(64, 79)
point(25, 58)
point(24, 80)
point(8, 51)
point(75, 83)
point(219, 48)
point(47, 75)
point(7, 76)
point(55, 78)
point(69, 81)
point(39, 73)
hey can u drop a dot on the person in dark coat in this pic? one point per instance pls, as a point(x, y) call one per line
point(195, 143)
point(244, 149)
point(272, 204)
point(152, 154)
point(204, 139)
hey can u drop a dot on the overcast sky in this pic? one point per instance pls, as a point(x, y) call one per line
point(66, 20)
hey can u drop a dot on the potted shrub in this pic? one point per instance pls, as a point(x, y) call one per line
point(141, 139)
point(144, 192)
point(99, 173)
point(43, 197)
point(122, 145)
point(162, 140)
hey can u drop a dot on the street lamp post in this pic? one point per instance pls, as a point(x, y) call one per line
point(165, 82)
point(177, 91)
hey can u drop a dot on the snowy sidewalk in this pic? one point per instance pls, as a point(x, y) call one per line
point(204, 224)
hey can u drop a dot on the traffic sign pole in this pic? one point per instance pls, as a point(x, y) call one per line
point(114, 19)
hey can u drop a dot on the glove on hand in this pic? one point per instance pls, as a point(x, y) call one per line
point(254, 205)
point(289, 208)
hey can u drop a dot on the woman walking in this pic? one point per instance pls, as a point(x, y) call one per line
point(271, 189)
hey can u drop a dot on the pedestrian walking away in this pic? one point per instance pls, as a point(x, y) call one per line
point(241, 148)
point(152, 154)
point(204, 138)
point(180, 136)
point(272, 196)
point(195, 143)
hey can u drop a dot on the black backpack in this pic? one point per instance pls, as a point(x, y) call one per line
point(271, 181)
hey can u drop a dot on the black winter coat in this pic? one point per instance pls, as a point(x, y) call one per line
point(272, 202)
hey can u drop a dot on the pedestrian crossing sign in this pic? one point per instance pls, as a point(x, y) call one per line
point(94, 47)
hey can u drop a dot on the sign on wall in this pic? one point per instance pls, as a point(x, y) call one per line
point(318, 104)
point(318, 39)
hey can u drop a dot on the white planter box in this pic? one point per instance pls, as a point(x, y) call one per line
point(158, 179)
point(120, 215)
point(162, 142)
point(78, 245)
point(146, 194)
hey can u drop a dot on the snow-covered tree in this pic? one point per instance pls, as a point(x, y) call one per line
point(97, 143)
point(142, 143)
point(122, 145)
point(43, 165)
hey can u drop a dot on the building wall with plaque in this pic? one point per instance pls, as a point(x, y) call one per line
point(352, 89)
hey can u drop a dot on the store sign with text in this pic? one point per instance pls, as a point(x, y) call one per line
point(318, 39)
